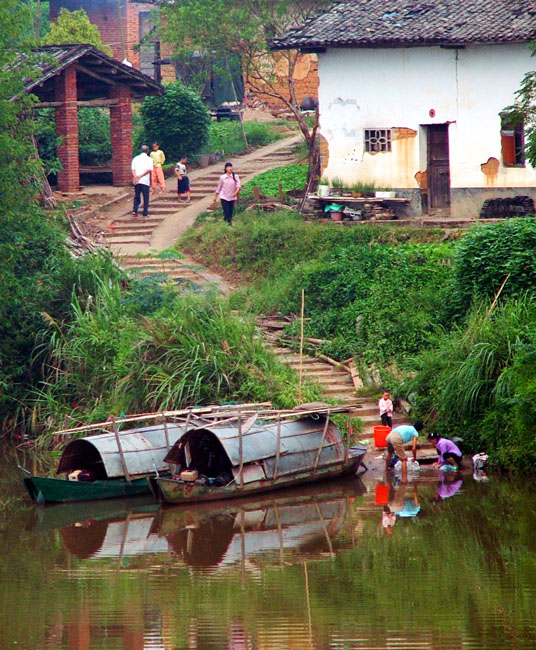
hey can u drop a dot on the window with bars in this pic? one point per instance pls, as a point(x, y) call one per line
point(377, 140)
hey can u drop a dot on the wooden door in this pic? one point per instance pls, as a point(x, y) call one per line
point(438, 166)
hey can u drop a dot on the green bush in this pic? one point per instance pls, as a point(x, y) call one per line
point(478, 382)
point(488, 255)
point(291, 177)
point(227, 137)
point(178, 120)
point(366, 290)
point(110, 357)
point(94, 140)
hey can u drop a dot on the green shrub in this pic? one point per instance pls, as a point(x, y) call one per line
point(148, 349)
point(291, 177)
point(178, 120)
point(478, 382)
point(227, 137)
point(94, 140)
point(366, 290)
point(488, 255)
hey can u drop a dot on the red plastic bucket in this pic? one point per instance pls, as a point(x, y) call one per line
point(382, 494)
point(380, 434)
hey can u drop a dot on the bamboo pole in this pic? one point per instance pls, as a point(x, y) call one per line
point(301, 346)
point(497, 296)
point(240, 451)
point(166, 432)
point(278, 451)
point(321, 443)
point(207, 411)
point(120, 449)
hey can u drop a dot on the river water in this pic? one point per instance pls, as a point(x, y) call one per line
point(317, 568)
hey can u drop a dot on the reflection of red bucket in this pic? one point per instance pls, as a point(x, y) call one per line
point(380, 434)
point(382, 494)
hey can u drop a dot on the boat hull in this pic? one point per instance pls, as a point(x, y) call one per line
point(58, 490)
point(171, 490)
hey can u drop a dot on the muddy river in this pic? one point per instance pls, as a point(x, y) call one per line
point(319, 568)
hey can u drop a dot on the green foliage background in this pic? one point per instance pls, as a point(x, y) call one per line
point(178, 120)
point(408, 306)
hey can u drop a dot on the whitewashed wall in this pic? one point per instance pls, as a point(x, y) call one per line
point(386, 88)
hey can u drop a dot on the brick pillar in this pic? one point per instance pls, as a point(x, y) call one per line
point(121, 136)
point(67, 129)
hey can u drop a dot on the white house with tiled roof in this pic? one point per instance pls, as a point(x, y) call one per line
point(413, 94)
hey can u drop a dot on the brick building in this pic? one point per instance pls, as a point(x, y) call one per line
point(122, 25)
point(72, 76)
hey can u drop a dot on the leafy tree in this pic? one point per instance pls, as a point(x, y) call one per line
point(243, 28)
point(75, 27)
point(178, 120)
point(524, 111)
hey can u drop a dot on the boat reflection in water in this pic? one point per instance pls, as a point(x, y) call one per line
point(300, 522)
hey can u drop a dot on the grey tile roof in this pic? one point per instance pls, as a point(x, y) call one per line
point(50, 60)
point(397, 23)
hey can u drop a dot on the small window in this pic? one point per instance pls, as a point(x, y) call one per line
point(512, 141)
point(377, 140)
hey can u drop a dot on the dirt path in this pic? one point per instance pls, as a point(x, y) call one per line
point(168, 219)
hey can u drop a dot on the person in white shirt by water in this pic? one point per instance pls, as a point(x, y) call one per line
point(142, 169)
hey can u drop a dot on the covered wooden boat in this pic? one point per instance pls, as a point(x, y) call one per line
point(264, 452)
point(116, 464)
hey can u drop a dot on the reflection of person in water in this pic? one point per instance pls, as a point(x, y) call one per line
point(400, 504)
point(388, 520)
point(448, 486)
point(404, 504)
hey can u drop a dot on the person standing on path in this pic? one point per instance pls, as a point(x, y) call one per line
point(396, 440)
point(142, 167)
point(158, 157)
point(183, 182)
point(228, 189)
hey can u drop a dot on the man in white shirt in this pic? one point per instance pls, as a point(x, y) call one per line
point(142, 168)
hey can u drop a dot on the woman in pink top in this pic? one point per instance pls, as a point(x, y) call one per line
point(228, 189)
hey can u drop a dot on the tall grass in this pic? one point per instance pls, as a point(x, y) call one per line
point(475, 381)
point(111, 358)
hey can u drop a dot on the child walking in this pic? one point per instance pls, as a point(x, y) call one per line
point(183, 182)
point(385, 405)
point(157, 177)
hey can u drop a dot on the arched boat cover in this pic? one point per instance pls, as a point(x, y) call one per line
point(300, 441)
point(143, 450)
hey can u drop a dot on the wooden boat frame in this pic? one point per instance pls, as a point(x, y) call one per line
point(174, 490)
point(124, 482)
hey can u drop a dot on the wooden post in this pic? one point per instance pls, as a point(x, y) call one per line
point(301, 348)
point(278, 451)
point(321, 443)
point(166, 432)
point(240, 449)
point(256, 193)
point(120, 449)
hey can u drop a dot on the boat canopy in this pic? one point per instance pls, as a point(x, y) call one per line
point(303, 444)
point(142, 452)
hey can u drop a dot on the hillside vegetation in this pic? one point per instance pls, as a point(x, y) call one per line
point(420, 310)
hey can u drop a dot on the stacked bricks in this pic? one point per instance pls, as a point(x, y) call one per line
point(121, 136)
point(67, 130)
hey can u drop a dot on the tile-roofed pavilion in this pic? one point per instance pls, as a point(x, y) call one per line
point(413, 23)
point(74, 75)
